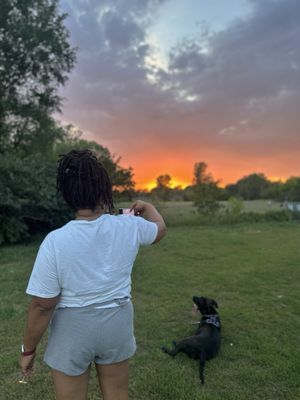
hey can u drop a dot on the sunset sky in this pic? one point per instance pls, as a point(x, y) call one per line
point(167, 83)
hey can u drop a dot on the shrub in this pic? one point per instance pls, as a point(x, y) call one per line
point(28, 202)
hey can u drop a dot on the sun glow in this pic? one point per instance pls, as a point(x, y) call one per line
point(173, 184)
point(182, 184)
point(276, 179)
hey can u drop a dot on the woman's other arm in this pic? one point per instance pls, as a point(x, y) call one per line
point(39, 314)
point(152, 215)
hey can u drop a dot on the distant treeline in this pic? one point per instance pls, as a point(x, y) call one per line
point(254, 186)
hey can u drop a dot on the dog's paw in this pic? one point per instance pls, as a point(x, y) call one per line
point(167, 351)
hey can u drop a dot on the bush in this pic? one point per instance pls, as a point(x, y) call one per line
point(28, 202)
point(206, 199)
point(280, 216)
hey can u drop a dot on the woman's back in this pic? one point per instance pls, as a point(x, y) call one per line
point(90, 261)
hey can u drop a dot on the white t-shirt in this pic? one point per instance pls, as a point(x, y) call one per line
point(89, 262)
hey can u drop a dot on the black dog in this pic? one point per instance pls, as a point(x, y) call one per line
point(205, 344)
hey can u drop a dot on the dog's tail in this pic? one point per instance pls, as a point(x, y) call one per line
point(202, 365)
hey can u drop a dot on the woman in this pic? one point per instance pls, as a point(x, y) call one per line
point(81, 281)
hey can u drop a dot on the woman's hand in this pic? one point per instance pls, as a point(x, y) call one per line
point(39, 315)
point(26, 364)
point(139, 207)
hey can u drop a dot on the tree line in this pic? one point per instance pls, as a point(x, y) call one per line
point(254, 186)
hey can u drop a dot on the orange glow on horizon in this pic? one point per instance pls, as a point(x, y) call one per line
point(224, 170)
point(276, 179)
point(148, 186)
point(182, 184)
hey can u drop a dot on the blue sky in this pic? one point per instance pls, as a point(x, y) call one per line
point(178, 19)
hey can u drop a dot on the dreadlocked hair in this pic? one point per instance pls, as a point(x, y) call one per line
point(83, 181)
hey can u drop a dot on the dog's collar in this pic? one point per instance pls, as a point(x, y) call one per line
point(212, 320)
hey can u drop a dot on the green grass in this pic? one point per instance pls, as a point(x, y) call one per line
point(251, 270)
point(178, 213)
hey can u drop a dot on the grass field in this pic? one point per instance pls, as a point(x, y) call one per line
point(184, 207)
point(178, 213)
point(251, 270)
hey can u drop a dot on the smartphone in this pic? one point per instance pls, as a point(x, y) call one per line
point(126, 211)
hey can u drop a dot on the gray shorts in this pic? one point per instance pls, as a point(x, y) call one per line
point(81, 335)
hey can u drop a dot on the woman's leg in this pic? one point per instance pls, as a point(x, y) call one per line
point(113, 379)
point(71, 387)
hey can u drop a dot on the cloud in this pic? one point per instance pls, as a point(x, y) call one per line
point(111, 75)
point(236, 90)
point(249, 72)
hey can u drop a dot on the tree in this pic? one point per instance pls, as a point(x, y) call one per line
point(188, 193)
point(28, 201)
point(253, 186)
point(162, 189)
point(291, 189)
point(35, 57)
point(163, 181)
point(200, 175)
point(275, 191)
point(230, 190)
point(206, 190)
point(206, 198)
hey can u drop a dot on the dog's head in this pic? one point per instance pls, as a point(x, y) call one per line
point(205, 306)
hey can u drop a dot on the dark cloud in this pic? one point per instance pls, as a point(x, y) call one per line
point(249, 72)
point(236, 90)
point(111, 71)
